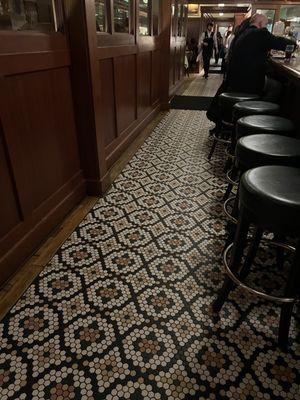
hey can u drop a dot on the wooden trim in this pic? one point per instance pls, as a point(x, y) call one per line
point(13, 289)
point(114, 149)
point(116, 39)
point(11, 64)
point(115, 51)
point(44, 222)
point(176, 87)
point(22, 41)
point(17, 233)
point(118, 166)
point(148, 43)
point(93, 187)
point(110, 16)
point(95, 83)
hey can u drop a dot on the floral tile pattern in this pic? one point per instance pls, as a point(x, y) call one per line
point(123, 309)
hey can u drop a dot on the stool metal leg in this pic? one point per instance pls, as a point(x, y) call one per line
point(228, 191)
point(228, 164)
point(236, 257)
point(287, 309)
point(231, 227)
point(280, 251)
point(251, 253)
point(212, 150)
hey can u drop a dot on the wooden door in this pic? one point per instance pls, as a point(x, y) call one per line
point(40, 175)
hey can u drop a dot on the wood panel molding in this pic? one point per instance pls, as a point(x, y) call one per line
point(11, 64)
point(116, 51)
point(24, 239)
point(114, 150)
point(40, 167)
point(23, 41)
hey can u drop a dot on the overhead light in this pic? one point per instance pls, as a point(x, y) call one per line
point(221, 5)
point(221, 14)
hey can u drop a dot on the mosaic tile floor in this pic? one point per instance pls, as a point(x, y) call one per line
point(198, 86)
point(123, 309)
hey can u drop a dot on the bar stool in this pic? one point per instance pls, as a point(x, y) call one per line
point(226, 102)
point(254, 124)
point(269, 200)
point(257, 124)
point(249, 108)
point(244, 109)
point(256, 151)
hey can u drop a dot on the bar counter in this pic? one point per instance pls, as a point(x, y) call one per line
point(288, 73)
point(291, 67)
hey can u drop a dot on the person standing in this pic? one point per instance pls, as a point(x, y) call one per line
point(219, 48)
point(247, 64)
point(248, 57)
point(208, 43)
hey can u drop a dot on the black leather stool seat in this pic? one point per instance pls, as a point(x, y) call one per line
point(269, 202)
point(264, 149)
point(264, 124)
point(271, 194)
point(227, 100)
point(245, 108)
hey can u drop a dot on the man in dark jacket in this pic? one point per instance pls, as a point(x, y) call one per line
point(247, 63)
point(248, 60)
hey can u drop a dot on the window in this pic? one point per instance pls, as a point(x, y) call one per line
point(100, 14)
point(36, 15)
point(290, 15)
point(155, 16)
point(180, 20)
point(121, 16)
point(144, 17)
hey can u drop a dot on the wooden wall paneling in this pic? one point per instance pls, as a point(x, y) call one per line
point(166, 55)
point(107, 99)
point(40, 168)
point(42, 140)
point(92, 47)
point(9, 209)
point(156, 76)
point(193, 29)
point(177, 49)
point(83, 94)
point(23, 42)
point(144, 65)
point(125, 90)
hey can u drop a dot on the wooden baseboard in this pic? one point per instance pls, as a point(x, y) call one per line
point(13, 289)
point(118, 166)
point(177, 86)
point(137, 138)
point(23, 240)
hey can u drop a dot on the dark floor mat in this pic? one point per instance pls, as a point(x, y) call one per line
point(215, 71)
point(191, 102)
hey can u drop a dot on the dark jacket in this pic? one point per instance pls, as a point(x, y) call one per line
point(247, 64)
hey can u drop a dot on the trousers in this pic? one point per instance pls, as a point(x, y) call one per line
point(206, 61)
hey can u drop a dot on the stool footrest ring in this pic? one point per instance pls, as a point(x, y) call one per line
point(229, 180)
point(228, 154)
point(249, 289)
point(227, 213)
point(226, 141)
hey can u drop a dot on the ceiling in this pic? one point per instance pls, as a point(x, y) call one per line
point(219, 10)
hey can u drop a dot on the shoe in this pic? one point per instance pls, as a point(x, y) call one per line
point(206, 76)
